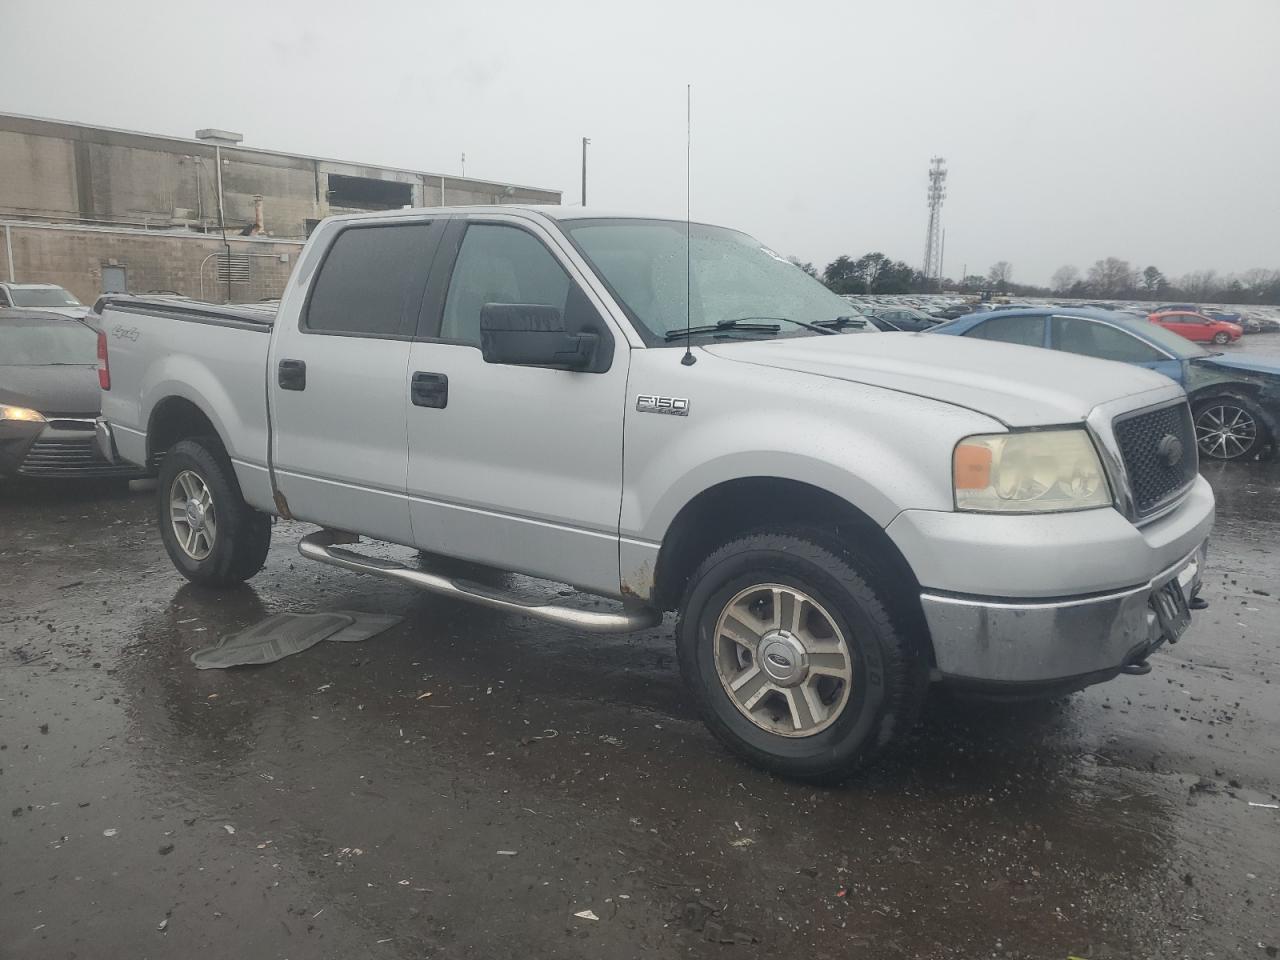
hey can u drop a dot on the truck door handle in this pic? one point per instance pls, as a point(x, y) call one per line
point(429, 390)
point(292, 375)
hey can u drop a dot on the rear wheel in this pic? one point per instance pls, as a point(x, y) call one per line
point(800, 654)
point(1228, 428)
point(212, 536)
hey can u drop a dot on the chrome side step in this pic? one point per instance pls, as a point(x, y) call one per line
point(321, 546)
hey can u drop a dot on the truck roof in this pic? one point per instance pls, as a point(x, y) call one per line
point(552, 211)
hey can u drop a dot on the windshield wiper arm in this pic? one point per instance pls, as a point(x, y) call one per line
point(737, 323)
point(756, 324)
point(839, 323)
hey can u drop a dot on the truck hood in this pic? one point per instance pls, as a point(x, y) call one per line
point(1019, 386)
point(71, 389)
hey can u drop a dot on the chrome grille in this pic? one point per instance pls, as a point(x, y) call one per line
point(1158, 448)
point(70, 457)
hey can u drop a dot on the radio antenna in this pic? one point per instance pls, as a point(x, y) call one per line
point(688, 359)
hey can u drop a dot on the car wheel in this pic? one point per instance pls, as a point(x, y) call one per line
point(212, 536)
point(1228, 428)
point(801, 657)
point(1221, 338)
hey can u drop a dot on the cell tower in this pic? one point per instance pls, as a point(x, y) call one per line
point(932, 242)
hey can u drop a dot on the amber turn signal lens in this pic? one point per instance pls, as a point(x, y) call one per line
point(972, 467)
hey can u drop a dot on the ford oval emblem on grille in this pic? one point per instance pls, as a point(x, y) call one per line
point(1169, 449)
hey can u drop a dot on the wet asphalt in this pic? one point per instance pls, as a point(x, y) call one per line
point(464, 784)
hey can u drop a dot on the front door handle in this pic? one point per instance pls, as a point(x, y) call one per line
point(429, 390)
point(292, 375)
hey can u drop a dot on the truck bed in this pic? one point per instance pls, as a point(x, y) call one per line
point(164, 351)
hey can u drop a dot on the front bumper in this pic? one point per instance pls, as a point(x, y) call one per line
point(1056, 644)
point(64, 447)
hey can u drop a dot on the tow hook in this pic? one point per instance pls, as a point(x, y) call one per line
point(1139, 668)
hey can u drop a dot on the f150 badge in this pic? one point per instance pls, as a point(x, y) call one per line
point(673, 406)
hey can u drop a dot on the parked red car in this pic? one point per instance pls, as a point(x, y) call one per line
point(1196, 326)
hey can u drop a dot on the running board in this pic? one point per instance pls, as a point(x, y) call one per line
point(321, 546)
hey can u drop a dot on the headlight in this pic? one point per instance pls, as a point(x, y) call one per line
point(20, 413)
point(1036, 471)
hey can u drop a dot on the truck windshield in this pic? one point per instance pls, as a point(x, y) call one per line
point(730, 276)
point(42, 297)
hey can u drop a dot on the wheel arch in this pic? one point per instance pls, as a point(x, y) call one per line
point(1244, 392)
point(173, 419)
point(735, 507)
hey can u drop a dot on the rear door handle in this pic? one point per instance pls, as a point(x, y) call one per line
point(292, 375)
point(429, 390)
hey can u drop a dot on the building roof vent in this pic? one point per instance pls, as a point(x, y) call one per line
point(223, 138)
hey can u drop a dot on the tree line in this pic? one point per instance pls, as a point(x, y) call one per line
point(1108, 279)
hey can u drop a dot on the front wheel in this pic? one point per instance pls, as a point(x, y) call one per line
point(1228, 428)
point(800, 655)
point(1221, 338)
point(212, 536)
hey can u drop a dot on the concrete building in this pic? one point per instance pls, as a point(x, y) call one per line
point(100, 210)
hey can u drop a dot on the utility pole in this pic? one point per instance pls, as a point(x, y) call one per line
point(942, 252)
point(222, 217)
point(585, 141)
point(464, 164)
point(932, 243)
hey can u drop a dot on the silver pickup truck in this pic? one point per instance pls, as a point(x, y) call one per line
point(673, 416)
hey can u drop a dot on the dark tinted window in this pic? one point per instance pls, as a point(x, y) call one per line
point(1025, 330)
point(499, 264)
point(371, 281)
point(1090, 339)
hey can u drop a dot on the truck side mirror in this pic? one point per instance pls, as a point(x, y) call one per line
point(532, 335)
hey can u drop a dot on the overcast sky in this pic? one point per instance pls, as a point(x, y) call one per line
point(1073, 130)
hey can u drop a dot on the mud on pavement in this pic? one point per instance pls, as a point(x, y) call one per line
point(477, 785)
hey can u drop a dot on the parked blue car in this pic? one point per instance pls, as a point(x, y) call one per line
point(1235, 401)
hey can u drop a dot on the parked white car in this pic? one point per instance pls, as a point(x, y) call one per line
point(675, 417)
point(46, 297)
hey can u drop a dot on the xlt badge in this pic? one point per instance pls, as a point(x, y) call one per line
point(674, 406)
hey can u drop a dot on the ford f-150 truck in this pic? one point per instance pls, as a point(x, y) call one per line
point(673, 416)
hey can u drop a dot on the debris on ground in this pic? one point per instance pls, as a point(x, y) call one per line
point(285, 634)
point(547, 734)
point(586, 915)
point(110, 832)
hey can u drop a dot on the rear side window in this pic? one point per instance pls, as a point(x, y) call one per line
point(371, 281)
point(1028, 331)
point(1073, 335)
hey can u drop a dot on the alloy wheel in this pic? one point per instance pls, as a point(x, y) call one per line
point(782, 660)
point(192, 515)
point(1225, 431)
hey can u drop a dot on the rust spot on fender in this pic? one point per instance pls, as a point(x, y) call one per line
point(638, 583)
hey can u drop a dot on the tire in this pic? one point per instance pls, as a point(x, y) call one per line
point(1229, 428)
point(845, 598)
point(1221, 338)
point(224, 543)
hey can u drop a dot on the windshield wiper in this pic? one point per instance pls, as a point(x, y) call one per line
point(736, 324)
point(750, 324)
point(839, 323)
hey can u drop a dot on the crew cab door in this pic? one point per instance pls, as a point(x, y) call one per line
point(338, 379)
point(513, 466)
